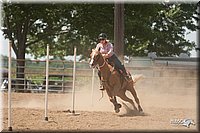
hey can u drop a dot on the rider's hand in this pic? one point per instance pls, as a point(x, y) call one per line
point(105, 55)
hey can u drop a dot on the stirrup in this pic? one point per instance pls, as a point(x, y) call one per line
point(101, 88)
point(128, 77)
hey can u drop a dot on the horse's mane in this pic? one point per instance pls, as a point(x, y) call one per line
point(109, 66)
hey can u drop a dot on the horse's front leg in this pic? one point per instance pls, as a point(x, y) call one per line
point(113, 100)
point(117, 106)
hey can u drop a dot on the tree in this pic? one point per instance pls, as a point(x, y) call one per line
point(119, 30)
point(27, 24)
point(159, 28)
point(152, 27)
point(83, 27)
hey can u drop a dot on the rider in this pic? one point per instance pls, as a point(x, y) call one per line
point(106, 49)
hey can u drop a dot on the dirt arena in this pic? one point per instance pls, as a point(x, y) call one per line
point(163, 103)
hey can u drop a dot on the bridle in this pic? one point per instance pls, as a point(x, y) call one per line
point(104, 62)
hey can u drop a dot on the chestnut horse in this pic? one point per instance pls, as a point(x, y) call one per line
point(113, 82)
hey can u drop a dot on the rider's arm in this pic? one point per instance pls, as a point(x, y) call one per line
point(98, 46)
point(110, 52)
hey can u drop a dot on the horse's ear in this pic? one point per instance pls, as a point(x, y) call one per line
point(99, 49)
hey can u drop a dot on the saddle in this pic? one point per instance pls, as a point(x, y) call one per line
point(122, 76)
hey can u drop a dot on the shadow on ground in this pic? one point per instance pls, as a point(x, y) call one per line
point(130, 112)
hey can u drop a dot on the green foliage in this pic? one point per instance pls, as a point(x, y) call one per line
point(159, 28)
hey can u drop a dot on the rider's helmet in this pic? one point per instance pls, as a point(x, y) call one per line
point(102, 36)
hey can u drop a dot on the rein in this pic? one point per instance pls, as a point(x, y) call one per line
point(103, 64)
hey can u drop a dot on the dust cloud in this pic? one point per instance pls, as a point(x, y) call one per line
point(152, 92)
point(162, 100)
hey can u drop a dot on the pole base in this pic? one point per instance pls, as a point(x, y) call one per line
point(9, 128)
point(73, 113)
point(46, 118)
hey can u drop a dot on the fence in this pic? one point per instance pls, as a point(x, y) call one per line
point(61, 72)
point(60, 75)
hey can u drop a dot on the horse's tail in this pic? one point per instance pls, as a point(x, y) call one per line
point(137, 77)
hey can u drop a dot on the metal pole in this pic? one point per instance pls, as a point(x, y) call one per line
point(74, 74)
point(47, 83)
point(63, 77)
point(93, 72)
point(9, 86)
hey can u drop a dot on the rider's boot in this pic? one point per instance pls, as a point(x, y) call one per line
point(101, 82)
point(127, 76)
point(101, 86)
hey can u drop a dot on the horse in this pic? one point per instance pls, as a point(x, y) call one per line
point(187, 122)
point(113, 82)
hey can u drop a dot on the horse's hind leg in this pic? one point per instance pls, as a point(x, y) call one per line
point(133, 92)
point(122, 95)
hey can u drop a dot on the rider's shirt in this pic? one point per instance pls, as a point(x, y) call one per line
point(105, 49)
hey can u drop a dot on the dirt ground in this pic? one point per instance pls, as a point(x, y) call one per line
point(162, 106)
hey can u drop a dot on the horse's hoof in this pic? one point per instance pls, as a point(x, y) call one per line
point(117, 110)
point(135, 108)
point(140, 109)
point(119, 105)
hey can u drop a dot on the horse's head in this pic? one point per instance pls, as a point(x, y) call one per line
point(95, 58)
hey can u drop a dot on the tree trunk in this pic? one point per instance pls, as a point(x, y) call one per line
point(119, 31)
point(20, 67)
point(22, 30)
point(198, 30)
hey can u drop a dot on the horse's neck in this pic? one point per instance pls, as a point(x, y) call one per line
point(105, 70)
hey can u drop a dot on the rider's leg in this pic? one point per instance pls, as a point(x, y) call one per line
point(101, 82)
point(119, 66)
point(125, 73)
